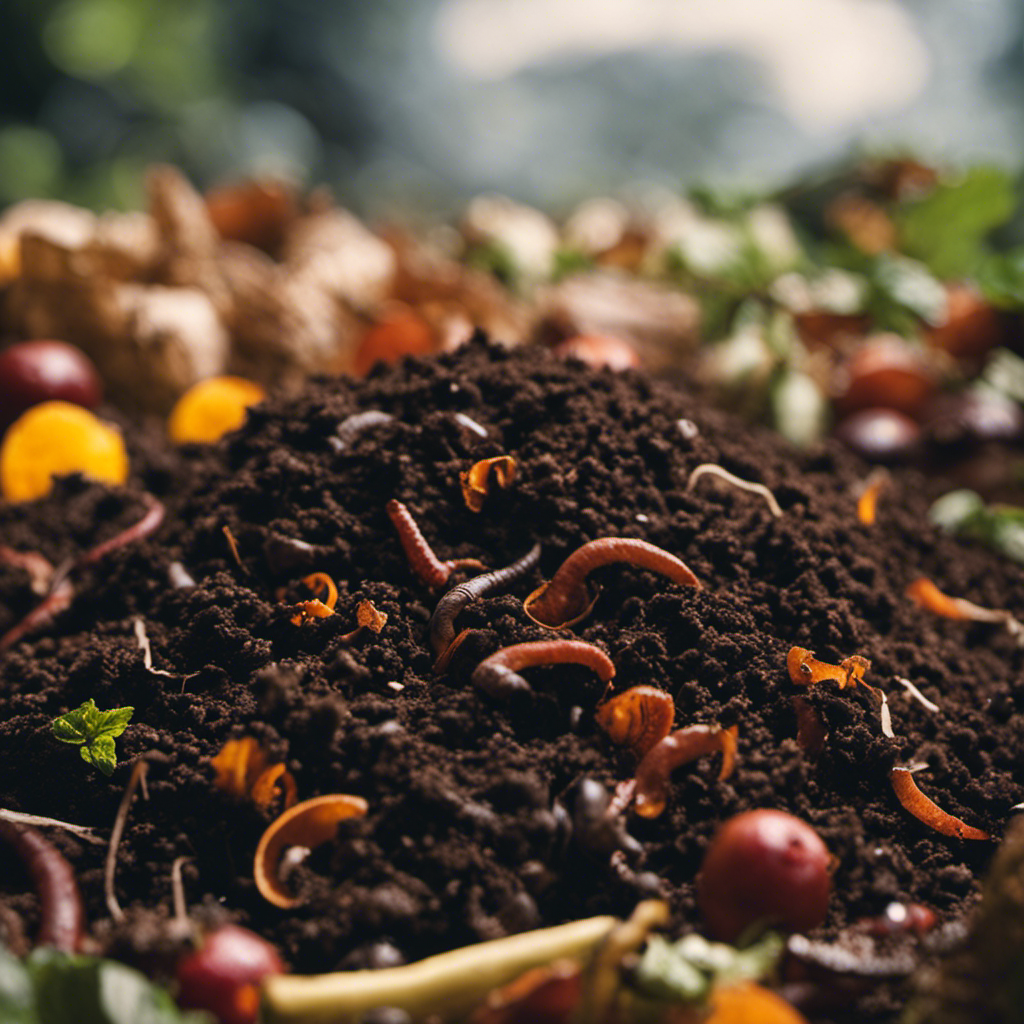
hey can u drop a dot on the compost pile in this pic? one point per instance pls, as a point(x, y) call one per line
point(479, 823)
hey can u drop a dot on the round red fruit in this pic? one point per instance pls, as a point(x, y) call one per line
point(224, 973)
point(41, 371)
point(764, 866)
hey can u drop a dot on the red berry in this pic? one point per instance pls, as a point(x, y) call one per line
point(764, 866)
point(223, 975)
point(41, 371)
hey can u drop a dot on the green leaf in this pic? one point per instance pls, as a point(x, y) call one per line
point(948, 227)
point(94, 731)
point(17, 1000)
point(85, 990)
point(955, 509)
point(1001, 279)
point(101, 753)
point(663, 974)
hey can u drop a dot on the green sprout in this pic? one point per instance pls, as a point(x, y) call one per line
point(93, 732)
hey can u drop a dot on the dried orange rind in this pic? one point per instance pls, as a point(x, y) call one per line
point(806, 670)
point(212, 408)
point(322, 605)
point(926, 810)
point(243, 772)
point(308, 824)
point(55, 438)
point(476, 480)
point(638, 718)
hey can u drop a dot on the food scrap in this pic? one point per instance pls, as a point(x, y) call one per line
point(925, 593)
point(476, 480)
point(54, 439)
point(322, 605)
point(368, 616)
point(806, 670)
point(867, 502)
point(307, 824)
point(244, 771)
point(212, 408)
point(639, 718)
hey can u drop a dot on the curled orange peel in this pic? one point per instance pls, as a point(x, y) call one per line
point(322, 605)
point(476, 480)
point(243, 772)
point(806, 670)
point(867, 503)
point(308, 824)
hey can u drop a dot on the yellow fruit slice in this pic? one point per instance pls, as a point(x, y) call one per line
point(212, 408)
point(54, 438)
point(747, 1003)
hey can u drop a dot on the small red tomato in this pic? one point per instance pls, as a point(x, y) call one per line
point(764, 866)
point(42, 371)
point(598, 351)
point(223, 975)
point(885, 372)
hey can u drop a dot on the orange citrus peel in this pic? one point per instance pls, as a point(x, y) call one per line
point(806, 670)
point(308, 824)
point(322, 605)
point(53, 439)
point(212, 408)
point(243, 772)
point(476, 480)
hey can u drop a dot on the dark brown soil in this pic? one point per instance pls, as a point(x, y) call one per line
point(478, 823)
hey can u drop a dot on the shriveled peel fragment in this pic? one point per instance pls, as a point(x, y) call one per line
point(309, 824)
point(926, 810)
point(926, 594)
point(676, 749)
point(476, 480)
point(368, 616)
point(806, 670)
point(867, 502)
point(243, 772)
point(638, 718)
point(322, 605)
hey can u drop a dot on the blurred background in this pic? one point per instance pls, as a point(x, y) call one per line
point(421, 105)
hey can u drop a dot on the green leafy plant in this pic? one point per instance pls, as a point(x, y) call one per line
point(93, 732)
point(54, 988)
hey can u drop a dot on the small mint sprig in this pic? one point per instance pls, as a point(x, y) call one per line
point(93, 732)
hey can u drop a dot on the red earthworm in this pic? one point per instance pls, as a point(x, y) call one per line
point(927, 810)
point(422, 560)
point(137, 531)
point(638, 718)
point(352, 426)
point(442, 623)
point(565, 599)
point(59, 598)
point(498, 674)
point(679, 747)
point(60, 903)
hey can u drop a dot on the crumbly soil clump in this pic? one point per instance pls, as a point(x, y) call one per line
point(478, 825)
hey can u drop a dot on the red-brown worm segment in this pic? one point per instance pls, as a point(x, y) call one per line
point(60, 903)
point(927, 810)
point(810, 729)
point(442, 623)
point(638, 718)
point(61, 592)
point(499, 676)
point(565, 599)
point(59, 598)
point(678, 748)
point(426, 566)
point(137, 531)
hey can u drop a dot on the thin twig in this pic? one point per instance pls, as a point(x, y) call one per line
point(138, 778)
point(147, 651)
point(712, 469)
point(84, 832)
point(178, 889)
